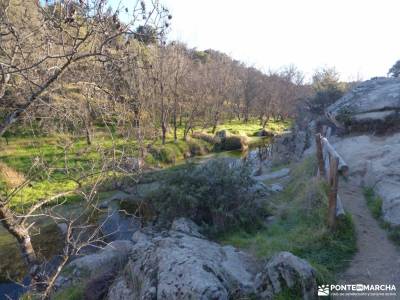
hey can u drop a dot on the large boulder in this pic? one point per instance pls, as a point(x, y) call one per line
point(371, 105)
point(182, 264)
point(286, 270)
point(175, 265)
point(290, 146)
point(377, 161)
point(265, 133)
point(222, 134)
point(109, 259)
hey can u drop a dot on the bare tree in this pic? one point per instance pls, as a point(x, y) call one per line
point(41, 45)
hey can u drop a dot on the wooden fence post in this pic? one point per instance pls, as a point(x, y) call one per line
point(333, 189)
point(318, 142)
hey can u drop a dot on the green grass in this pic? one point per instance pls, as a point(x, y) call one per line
point(253, 126)
point(74, 292)
point(374, 203)
point(286, 294)
point(41, 158)
point(301, 228)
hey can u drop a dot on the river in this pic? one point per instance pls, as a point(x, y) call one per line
point(49, 239)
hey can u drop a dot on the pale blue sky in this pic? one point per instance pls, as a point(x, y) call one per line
point(358, 37)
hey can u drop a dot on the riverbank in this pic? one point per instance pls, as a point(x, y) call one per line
point(60, 163)
point(52, 169)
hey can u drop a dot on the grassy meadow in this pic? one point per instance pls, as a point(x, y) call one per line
point(60, 163)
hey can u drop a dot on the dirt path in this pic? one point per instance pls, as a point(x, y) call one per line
point(377, 260)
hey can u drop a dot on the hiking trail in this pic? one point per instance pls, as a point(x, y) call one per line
point(377, 260)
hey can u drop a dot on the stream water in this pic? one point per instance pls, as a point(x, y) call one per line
point(49, 238)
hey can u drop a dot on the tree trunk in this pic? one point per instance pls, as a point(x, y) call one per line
point(180, 117)
point(175, 123)
point(164, 132)
point(88, 135)
point(20, 232)
point(246, 115)
point(185, 134)
point(216, 120)
point(265, 123)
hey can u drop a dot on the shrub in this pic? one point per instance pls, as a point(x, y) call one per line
point(224, 142)
point(215, 195)
point(164, 154)
point(197, 148)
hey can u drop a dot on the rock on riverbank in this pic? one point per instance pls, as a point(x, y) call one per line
point(182, 264)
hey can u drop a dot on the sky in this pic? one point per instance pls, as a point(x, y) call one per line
point(360, 38)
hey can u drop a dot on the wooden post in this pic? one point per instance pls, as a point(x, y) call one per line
point(333, 189)
point(320, 158)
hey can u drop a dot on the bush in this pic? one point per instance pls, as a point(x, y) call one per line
point(197, 148)
point(215, 195)
point(164, 154)
point(224, 142)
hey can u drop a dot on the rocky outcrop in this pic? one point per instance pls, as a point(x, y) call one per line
point(377, 161)
point(176, 265)
point(181, 264)
point(265, 133)
point(371, 105)
point(286, 270)
point(290, 146)
point(109, 259)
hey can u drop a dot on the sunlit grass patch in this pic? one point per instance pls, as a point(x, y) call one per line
point(53, 163)
point(253, 126)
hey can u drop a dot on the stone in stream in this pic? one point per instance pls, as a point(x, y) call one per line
point(265, 133)
point(222, 134)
